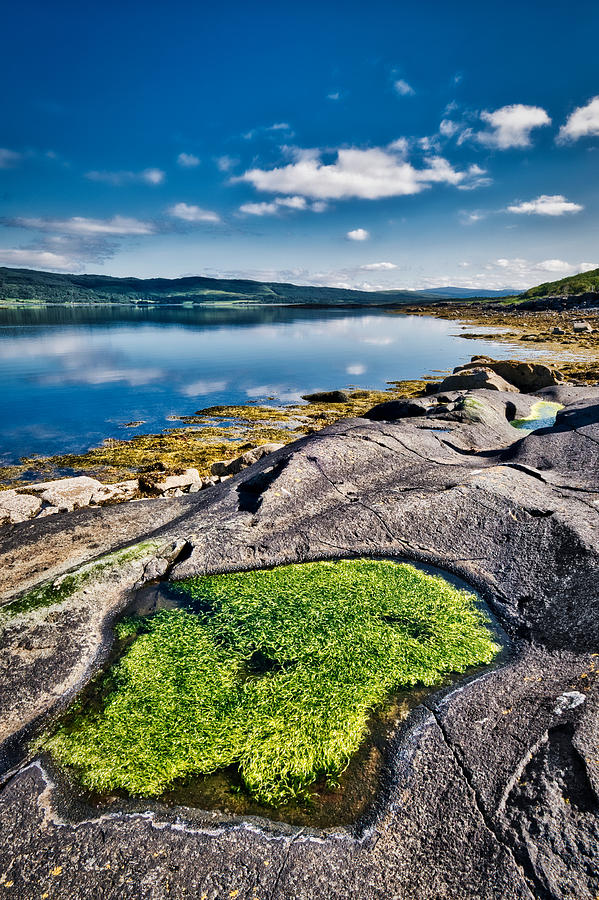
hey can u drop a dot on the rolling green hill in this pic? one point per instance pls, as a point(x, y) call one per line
point(49, 287)
point(575, 284)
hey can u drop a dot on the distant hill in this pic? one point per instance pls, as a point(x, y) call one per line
point(50, 287)
point(575, 284)
point(458, 293)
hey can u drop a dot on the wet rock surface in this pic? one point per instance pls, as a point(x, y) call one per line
point(490, 789)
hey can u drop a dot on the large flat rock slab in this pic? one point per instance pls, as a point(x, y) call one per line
point(490, 789)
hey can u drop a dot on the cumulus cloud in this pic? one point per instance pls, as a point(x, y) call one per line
point(146, 176)
point(335, 95)
point(403, 88)
point(81, 225)
point(35, 259)
point(8, 158)
point(379, 266)
point(511, 126)
point(368, 174)
point(188, 160)
point(358, 234)
point(546, 205)
point(188, 212)
point(583, 122)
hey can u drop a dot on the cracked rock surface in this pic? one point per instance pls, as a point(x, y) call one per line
point(490, 788)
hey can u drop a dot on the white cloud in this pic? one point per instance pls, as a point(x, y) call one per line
point(36, 259)
point(188, 160)
point(358, 234)
point(511, 126)
point(267, 130)
point(380, 266)
point(356, 369)
point(469, 218)
point(448, 128)
point(226, 163)
point(272, 207)
point(368, 174)
point(400, 146)
point(334, 96)
point(583, 122)
point(477, 178)
point(8, 158)
point(546, 205)
point(80, 225)
point(403, 88)
point(190, 213)
point(146, 176)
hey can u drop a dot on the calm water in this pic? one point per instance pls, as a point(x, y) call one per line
point(73, 377)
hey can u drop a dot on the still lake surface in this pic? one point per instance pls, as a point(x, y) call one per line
point(73, 376)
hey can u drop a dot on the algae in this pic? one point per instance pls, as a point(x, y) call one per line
point(542, 415)
point(212, 434)
point(274, 672)
point(63, 587)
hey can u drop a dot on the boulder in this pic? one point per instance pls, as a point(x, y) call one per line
point(116, 493)
point(65, 493)
point(581, 328)
point(15, 507)
point(327, 397)
point(235, 465)
point(168, 484)
point(397, 409)
point(477, 377)
point(557, 330)
point(525, 376)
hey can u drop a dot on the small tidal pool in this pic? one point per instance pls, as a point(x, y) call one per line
point(273, 692)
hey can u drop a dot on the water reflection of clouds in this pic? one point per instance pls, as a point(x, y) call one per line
point(198, 388)
point(103, 375)
point(281, 392)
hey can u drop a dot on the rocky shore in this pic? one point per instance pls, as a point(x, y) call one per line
point(490, 789)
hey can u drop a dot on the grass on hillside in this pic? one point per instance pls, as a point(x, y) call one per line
point(574, 284)
point(273, 671)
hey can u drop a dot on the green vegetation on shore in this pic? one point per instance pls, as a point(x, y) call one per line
point(574, 284)
point(275, 672)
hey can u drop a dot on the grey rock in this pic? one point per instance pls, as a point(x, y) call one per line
point(477, 377)
point(235, 465)
point(65, 493)
point(170, 483)
point(524, 375)
point(491, 788)
point(327, 397)
point(15, 507)
point(118, 492)
point(397, 409)
point(581, 327)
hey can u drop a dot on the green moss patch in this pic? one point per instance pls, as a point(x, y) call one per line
point(542, 415)
point(275, 672)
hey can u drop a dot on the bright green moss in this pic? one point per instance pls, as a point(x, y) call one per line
point(273, 671)
point(542, 415)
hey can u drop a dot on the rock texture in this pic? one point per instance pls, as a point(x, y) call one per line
point(491, 788)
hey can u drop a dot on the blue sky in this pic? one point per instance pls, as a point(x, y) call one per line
point(364, 145)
